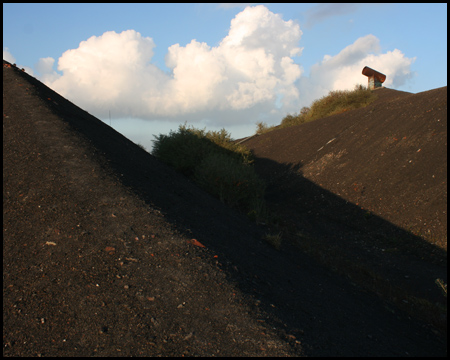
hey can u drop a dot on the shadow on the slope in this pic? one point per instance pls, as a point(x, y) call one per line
point(290, 286)
point(343, 229)
point(305, 299)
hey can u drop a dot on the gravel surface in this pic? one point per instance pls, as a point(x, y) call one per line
point(108, 252)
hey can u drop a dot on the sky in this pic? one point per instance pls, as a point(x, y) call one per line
point(146, 69)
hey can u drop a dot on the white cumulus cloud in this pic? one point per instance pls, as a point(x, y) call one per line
point(45, 67)
point(249, 68)
point(109, 72)
point(249, 76)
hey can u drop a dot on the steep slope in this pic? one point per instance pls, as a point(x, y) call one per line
point(360, 182)
point(98, 257)
point(88, 267)
point(389, 158)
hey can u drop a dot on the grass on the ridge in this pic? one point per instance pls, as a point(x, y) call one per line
point(335, 102)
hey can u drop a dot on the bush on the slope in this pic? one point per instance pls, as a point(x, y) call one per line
point(215, 163)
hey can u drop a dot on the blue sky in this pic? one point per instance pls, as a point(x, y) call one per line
point(156, 66)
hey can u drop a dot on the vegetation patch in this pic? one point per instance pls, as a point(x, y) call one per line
point(217, 164)
point(262, 128)
point(274, 240)
point(234, 183)
point(335, 102)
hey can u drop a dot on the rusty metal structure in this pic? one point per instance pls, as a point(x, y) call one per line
point(375, 78)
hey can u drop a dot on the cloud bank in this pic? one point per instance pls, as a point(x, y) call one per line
point(251, 72)
point(251, 66)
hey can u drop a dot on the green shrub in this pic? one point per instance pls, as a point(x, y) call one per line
point(291, 120)
point(223, 139)
point(215, 163)
point(183, 149)
point(141, 146)
point(187, 147)
point(232, 181)
point(262, 128)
